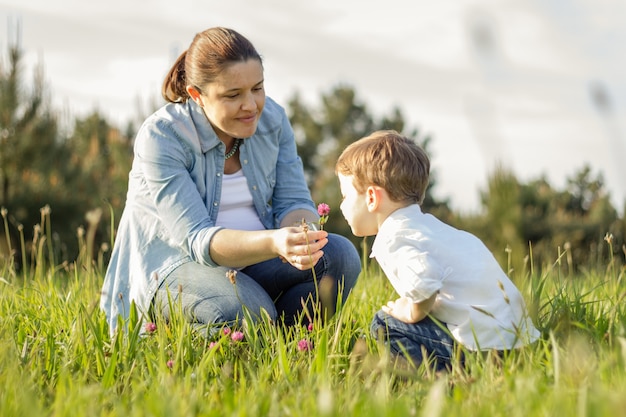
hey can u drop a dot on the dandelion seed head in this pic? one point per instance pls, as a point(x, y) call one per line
point(93, 216)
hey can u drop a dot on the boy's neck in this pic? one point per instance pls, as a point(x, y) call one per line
point(387, 207)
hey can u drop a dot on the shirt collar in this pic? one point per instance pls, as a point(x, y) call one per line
point(391, 224)
point(206, 135)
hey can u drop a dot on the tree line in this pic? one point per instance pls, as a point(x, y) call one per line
point(72, 182)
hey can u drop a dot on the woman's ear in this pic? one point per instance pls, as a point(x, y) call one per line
point(194, 94)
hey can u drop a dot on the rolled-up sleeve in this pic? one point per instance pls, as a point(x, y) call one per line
point(411, 270)
point(166, 162)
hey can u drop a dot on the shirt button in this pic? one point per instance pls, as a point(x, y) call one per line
point(219, 174)
point(254, 187)
point(215, 204)
point(245, 161)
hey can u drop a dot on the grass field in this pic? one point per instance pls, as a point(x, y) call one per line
point(57, 359)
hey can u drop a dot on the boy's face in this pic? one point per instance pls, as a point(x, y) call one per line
point(354, 208)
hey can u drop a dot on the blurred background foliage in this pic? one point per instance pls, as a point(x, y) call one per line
point(75, 172)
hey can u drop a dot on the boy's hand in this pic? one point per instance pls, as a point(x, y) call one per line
point(407, 311)
point(402, 309)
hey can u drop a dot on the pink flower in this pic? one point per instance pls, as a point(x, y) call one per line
point(226, 331)
point(310, 327)
point(323, 209)
point(304, 345)
point(212, 345)
point(150, 327)
point(237, 336)
point(170, 364)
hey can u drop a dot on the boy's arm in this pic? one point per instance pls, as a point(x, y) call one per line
point(405, 310)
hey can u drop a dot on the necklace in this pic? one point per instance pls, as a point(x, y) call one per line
point(234, 149)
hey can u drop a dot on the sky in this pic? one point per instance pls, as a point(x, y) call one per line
point(537, 86)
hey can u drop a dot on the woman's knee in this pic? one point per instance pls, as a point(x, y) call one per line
point(344, 259)
point(207, 296)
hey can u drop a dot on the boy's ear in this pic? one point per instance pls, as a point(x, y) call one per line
point(372, 198)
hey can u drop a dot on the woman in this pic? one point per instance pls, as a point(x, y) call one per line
point(216, 185)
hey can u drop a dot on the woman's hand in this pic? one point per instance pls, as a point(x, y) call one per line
point(300, 246)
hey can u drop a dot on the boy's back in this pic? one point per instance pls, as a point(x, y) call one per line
point(422, 255)
point(451, 289)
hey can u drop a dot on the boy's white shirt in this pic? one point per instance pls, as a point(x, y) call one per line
point(421, 255)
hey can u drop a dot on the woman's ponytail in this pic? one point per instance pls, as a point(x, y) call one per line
point(174, 88)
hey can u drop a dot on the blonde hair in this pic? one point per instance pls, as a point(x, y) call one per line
point(388, 160)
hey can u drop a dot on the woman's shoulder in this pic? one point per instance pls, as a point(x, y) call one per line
point(172, 121)
point(171, 114)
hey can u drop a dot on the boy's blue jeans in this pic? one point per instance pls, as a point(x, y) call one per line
point(207, 296)
point(405, 339)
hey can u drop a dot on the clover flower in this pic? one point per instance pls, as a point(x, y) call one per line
point(323, 210)
point(150, 327)
point(226, 331)
point(237, 336)
point(304, 345)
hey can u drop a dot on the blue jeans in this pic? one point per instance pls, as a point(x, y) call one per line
point(207, 296)
point(404, 339)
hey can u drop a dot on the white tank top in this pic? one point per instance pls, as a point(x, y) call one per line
point(236, 206)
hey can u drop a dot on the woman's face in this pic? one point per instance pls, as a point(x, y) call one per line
point(233, 102)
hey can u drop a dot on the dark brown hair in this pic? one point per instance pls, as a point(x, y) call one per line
point(210, 52)
point(389, 160)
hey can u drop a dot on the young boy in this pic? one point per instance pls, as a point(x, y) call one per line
point(451, 288)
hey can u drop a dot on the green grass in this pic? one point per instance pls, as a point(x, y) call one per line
point(57, 358)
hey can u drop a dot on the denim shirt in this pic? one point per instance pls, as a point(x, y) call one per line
point(174, 196)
